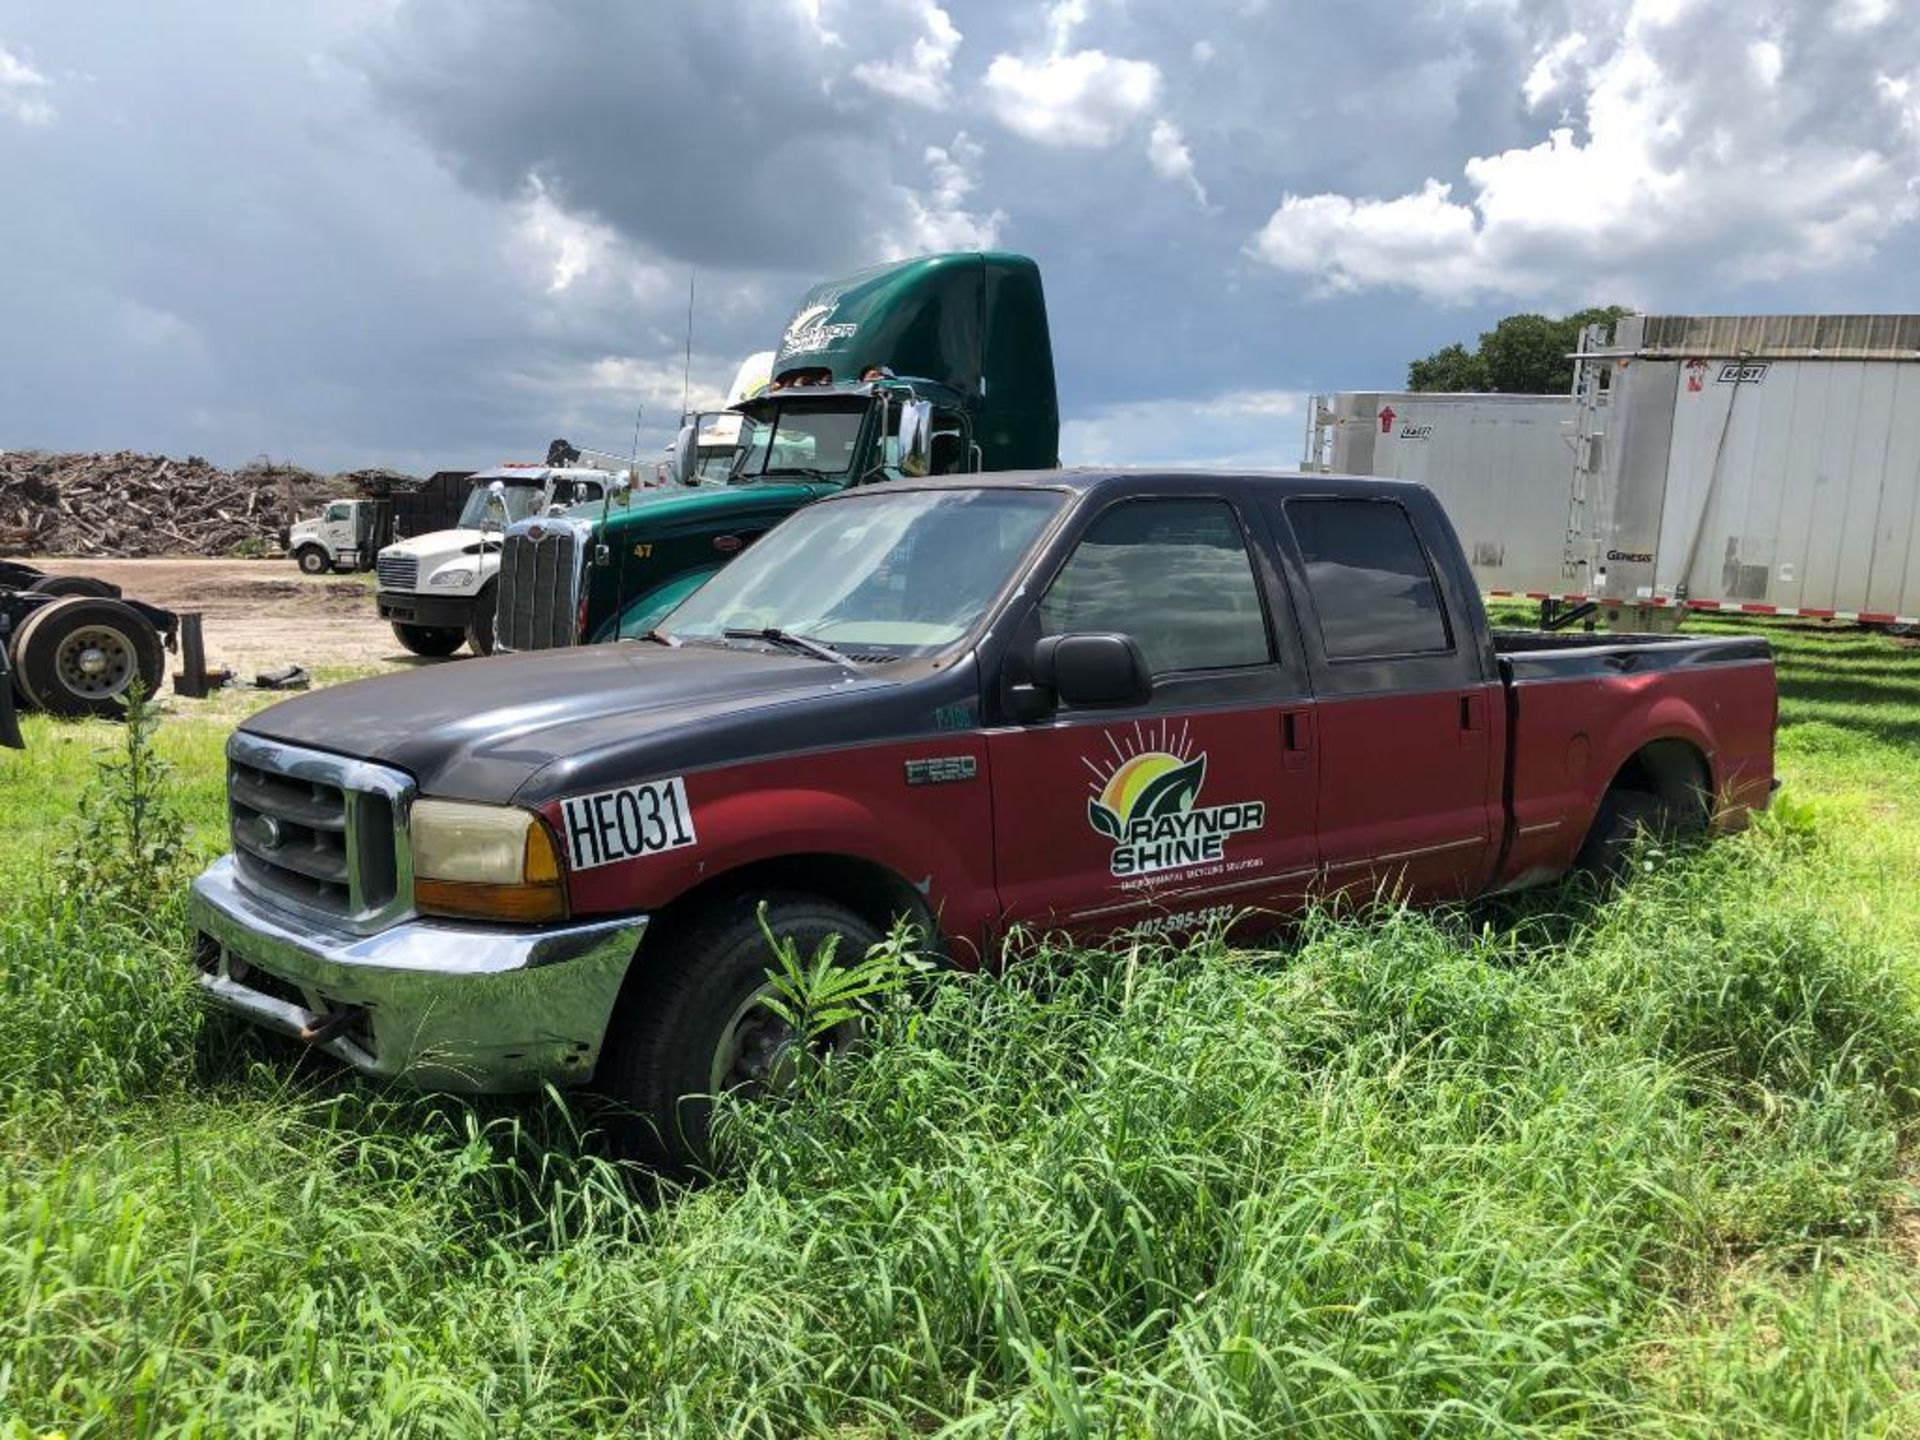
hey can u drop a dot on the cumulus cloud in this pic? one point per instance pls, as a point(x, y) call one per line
point(1087, 98)
point(1167, 152)
point(917, 75)
point(937, 217)
point(23, 91)
point(1769, 165)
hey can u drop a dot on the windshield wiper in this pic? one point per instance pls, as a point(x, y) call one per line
point(799, 644)
point(660, 637)
point(809, 470)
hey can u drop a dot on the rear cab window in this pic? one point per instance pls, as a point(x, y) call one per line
point(1373, 605)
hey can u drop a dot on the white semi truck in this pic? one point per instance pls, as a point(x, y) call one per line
point(437, 590)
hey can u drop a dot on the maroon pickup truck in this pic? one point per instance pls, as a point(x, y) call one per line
point(1084, 702)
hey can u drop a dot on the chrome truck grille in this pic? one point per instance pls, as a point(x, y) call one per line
point(538, 591)
point(320, 834)
point(398, 572)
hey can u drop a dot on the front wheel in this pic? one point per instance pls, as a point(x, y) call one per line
point(313, 561)
point(480, 627)
point(435, 641)
point(694, 1023)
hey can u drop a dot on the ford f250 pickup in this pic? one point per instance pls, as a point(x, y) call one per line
point(1083, 702)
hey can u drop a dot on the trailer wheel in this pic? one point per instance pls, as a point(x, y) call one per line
point(312, 560)
point(73, 585)
point(480, 627)
point(434, 641)
point(80, 655)
point(694, 1023)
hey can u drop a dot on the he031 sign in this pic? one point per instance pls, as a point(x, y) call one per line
point(627, 823)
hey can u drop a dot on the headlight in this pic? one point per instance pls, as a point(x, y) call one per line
point(484, 862)
point(452, 577)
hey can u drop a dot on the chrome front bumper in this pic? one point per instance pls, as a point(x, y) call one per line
point(439, 1004)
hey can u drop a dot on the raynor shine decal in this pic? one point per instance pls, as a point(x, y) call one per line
point(1146, 801)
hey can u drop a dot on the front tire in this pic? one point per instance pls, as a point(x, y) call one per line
point(434, 641)
point(691, 1025)
point(80, 655)
point(313, 560)
point(480, 627)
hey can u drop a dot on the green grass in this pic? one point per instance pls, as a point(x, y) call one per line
point(1567, 1164)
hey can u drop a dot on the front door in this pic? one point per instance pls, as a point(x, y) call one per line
point(1195, 806)
point(1409, 724)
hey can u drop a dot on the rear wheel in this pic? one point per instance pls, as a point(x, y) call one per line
point(480, 627)
point(432, 640)
point(80, 655)
point(695, 1024)
point(313, 560)
point(1625, 816)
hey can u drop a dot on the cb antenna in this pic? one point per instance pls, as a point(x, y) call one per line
point(686, 374)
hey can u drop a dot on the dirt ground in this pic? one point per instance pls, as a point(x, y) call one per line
point(262, 614)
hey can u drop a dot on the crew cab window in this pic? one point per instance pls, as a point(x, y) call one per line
point(1173, 574)
point(1372, 588)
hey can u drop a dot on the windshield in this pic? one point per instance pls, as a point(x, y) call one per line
point(889, 573)
point(520, 502)
point(800, 438)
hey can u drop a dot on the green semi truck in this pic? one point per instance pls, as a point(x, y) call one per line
point(937, 365)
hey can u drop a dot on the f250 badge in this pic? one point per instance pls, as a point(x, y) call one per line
point(627, 823)
point(1145, 800)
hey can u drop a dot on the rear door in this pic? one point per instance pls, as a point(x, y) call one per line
point(1191, 807)
point(1410, 725)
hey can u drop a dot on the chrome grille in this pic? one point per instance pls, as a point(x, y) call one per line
point(319, 833)
point(398, 572)
point(538, 588)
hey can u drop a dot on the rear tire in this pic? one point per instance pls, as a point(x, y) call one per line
point(434, 641)
point(80, 655)
point(313, 560)
point(64, 585)
point(1624, 817)
point(690, 1026)
point(480, 627)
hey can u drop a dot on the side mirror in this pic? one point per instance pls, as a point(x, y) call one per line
point(916, 437)
point(685, 449)
point(1089, 671)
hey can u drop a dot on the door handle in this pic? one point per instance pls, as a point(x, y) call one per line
point(1296, 738)
point(1473, 716)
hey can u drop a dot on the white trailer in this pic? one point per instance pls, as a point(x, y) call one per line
point(1501, 465)
point(1757, 464)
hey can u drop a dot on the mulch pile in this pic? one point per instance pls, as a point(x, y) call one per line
point(128, 505)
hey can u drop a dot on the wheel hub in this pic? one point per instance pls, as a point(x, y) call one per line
point(96, 662)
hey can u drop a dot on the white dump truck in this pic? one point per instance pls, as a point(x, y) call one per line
point(437, 590)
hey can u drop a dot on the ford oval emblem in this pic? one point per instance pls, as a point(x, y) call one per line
point(726, 544)
point(536, 532)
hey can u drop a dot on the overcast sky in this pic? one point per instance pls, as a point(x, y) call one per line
point(430, 233)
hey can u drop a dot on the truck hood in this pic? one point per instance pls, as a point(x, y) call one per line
point(483, 729)
point(440, 544)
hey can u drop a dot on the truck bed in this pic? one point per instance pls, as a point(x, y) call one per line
point(1581, 709)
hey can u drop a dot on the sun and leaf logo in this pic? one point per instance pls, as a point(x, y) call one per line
point(1147, 786)
point(1146, 801)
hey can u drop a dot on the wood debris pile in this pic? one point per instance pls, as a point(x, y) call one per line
point(128, 505)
